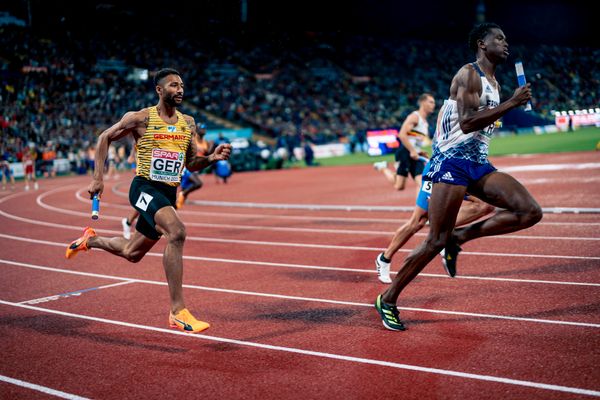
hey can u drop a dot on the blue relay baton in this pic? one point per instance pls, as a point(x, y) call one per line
point(521, 80)
point(95, 206)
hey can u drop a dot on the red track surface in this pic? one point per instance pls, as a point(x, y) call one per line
point(289, 295)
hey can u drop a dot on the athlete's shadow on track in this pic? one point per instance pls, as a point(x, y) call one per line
point(331, 276)
point(581, 309)
point(562, 268)
point(297, 321)
point(57, 325)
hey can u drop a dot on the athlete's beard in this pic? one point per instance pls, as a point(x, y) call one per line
point(171, 101)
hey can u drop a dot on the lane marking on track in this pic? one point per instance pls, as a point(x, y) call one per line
point(360, 360)
point(305, 245)
point(304, 217)
point(315, 267)
point(549, 167)
point(74, 293)
point(311, 299)
point(40, 202)
point(342, 207)
point(40, 388)
point(263, 216)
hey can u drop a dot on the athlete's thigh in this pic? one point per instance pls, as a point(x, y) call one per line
point(167, 221)
point(444, 203)
point(420, 215)
point(502, 190)
point(403, 158)
point(418, 179)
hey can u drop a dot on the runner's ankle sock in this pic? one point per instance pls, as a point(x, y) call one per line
point(385, 260)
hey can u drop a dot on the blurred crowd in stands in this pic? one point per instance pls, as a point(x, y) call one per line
point(58, 92)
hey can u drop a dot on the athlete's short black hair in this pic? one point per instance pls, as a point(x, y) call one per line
point(479, 32)
point(424, 97)
point(164, 72)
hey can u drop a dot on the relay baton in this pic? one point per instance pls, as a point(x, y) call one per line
point(95, 206)
point(521, 80)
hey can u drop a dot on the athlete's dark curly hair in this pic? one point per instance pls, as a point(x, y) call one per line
point(479, 32)
point(164, 72)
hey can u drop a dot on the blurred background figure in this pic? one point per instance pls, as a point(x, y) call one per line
point(29, 157)
point(7, 173)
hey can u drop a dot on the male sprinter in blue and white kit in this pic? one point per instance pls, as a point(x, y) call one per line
point(460, 163)
point(471, 210)
point(164, 143)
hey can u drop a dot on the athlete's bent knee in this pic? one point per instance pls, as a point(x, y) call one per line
point(177, 235)
point(484, 208)
point(435, 245)
point(416, 226)
point(531, 215)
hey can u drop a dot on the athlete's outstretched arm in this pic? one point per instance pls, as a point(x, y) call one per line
point(124, 127)
point(194, 162)
point(468, 89)
point(197, 163)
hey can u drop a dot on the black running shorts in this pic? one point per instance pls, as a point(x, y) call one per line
point(148, 197)
point(407, 164)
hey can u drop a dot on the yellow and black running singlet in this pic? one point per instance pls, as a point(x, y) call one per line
point(162, 149)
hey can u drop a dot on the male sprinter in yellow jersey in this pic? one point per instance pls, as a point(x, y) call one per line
point(165, 144)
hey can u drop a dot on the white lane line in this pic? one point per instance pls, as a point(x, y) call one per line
point(299, 298)
point(305, 245)
point(309, 230)
point(72, 293)
point(304, 217)
point(315, 267)
point(360, 360)
point(365, 248)
point(263, 216)
point(40, 388)
point(549, 167)
point(348, 207)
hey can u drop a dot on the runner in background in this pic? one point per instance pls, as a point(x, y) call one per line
point(413, 136)
point(190, 181)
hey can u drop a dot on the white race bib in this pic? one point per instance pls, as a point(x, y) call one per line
point(426, 186)
point(166, 165)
